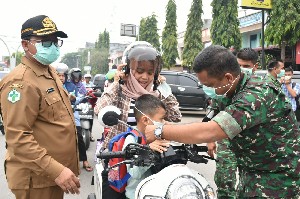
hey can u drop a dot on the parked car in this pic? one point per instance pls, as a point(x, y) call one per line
point(187, 89)
point(3, 73)
point(99, 81)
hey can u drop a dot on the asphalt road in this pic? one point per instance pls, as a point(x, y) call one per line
point(207, 170)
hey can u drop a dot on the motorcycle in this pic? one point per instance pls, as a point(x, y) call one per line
point(181, 181)
point(86, 115)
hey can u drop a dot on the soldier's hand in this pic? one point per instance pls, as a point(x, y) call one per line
point(212, 149)
point(68, 181)
point(149, 133)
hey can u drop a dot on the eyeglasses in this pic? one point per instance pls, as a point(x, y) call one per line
point(47, 44)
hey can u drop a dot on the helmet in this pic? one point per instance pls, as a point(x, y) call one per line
point(75, 74)
point(60, 68)
point(88, 75)
point(143, 51)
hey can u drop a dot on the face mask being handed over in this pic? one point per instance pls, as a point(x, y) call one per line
point(211, 91)
point(46, 55)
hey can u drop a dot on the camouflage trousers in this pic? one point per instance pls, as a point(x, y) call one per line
point(226, 167)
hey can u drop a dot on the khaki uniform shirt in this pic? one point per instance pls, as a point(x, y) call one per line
point(39, 124)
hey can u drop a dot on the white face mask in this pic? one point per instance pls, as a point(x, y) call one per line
point(158, 124)
point(286, 78)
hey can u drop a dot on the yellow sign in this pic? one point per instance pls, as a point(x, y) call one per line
point(257, 4)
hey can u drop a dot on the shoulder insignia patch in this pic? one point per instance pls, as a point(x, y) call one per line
point(16, 86)
point(14, 96)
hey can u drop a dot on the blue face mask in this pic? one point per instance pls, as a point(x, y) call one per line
point(247, 70)
point(211, 91)
point(281, 74)
point(46, 55)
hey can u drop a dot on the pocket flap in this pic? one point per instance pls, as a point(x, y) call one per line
point(52, 98)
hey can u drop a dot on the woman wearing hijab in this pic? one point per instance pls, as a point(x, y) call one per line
point(140, 75)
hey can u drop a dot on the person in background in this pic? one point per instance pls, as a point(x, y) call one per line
point(148, 110)
point(76, 78)
point(62, 71)
point(87, 83)
point(226, 166)
point(258, 121)
point(247, 59)
point(41, 157)
point(140, 76)
point(275, 72)
point(291, 89)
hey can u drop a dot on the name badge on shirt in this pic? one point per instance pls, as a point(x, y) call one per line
point(50, 90)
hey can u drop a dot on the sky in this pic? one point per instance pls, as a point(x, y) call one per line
point(83, 20)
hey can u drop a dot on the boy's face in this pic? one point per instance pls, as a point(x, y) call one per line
point(158, 116)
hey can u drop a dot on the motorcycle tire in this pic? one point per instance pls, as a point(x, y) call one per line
point(2, 129)
point(86, 134)
point(92, 196)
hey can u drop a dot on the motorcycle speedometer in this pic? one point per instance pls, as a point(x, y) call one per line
point(185, 187)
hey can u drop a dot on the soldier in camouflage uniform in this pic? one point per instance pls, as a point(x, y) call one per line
point(258, 120)
point(226, 167)
point(275, 71)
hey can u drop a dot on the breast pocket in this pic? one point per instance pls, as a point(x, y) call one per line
point(55, 106)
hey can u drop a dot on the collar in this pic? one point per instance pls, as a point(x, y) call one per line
point(39, 70)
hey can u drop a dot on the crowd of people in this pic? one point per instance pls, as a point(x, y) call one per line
point(254, 131)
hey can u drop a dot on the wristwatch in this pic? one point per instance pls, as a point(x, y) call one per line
point(158, 131)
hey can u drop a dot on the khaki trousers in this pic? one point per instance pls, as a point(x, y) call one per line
point(54, 192)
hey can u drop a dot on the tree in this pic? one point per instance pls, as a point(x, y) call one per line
point(103, 40)
point(169, 36)
point(149, 31)
point(73, 60)
point(193, 35)
point(284, 24)
point(224, 29)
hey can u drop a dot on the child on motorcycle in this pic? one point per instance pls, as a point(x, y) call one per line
point(148, 110)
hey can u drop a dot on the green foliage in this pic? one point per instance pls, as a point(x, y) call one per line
point(225, 25)
point(284, 23)
point(98, 56)
point(169, 36)
point(103, 40)
point(193, 35)
point(18, 57)
point(149, 31)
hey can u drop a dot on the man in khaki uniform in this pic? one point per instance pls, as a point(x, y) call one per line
point(42, 156)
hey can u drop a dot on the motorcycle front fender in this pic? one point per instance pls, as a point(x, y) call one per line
point(85, 124)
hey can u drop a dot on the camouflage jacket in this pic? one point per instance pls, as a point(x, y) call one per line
point(262, 129)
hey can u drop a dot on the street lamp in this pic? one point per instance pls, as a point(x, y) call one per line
point(77, 63)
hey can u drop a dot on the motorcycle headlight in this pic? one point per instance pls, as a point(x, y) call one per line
point(209, 192)
point(185, 187)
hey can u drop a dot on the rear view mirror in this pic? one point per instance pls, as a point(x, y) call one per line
point(199, 85)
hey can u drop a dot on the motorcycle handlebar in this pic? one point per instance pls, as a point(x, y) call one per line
point(109, 155)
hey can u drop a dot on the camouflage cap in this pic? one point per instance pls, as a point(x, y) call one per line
point(40, 25)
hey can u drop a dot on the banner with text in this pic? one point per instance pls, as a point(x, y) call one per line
point(257, 4)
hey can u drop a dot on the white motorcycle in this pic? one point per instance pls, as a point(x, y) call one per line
point(173, 179)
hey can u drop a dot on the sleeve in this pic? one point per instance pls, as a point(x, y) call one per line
point(297, 88)
point(107, 98)
point(247, 111)
point(19, 117)
point(173, 113)
point(135, 172)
